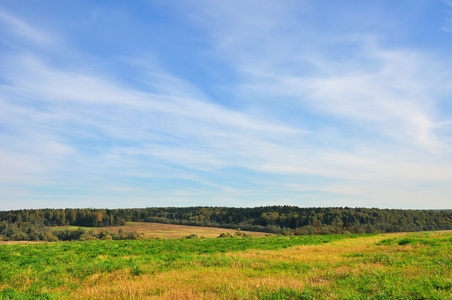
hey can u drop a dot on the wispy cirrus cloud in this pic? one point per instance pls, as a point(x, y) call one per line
point(447, 27)
point(15, 26)
point(385, 100)
point(394, 88)
point(122, 131)
point(297, 113)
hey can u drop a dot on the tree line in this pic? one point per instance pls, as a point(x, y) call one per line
point(34, 224)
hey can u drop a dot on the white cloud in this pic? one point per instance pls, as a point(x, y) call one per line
point(396, 96)
point(352, 125)
point(447, 27)
point(23, 29)
point(68, 106)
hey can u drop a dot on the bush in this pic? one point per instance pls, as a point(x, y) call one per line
point(225, 235)
point(71, 235)
point(192, 236)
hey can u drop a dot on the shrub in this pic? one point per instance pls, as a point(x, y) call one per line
point(225, 235)
point(192, 236)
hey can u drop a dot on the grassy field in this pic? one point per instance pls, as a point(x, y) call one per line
point(389, 266)
point(167, 231)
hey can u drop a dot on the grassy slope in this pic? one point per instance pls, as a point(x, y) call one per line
point(391, 266)
point(167, 231)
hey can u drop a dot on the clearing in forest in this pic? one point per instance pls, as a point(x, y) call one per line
point(166, 231)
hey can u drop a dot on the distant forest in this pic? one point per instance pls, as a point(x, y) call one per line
point(35, 224)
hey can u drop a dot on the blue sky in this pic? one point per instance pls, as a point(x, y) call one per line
point(225, 103)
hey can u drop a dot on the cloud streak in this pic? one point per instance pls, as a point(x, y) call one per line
point(19, 27)
point(298, 114)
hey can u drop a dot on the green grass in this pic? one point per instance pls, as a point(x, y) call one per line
point(414, 266)
point(61, 228)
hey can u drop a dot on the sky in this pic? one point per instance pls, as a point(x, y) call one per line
point(326, 103)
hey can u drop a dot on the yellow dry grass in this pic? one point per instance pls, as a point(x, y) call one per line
point(246, 274)
point(250, 273)
point(186, 284)
point(170, 231)
point(21, 242)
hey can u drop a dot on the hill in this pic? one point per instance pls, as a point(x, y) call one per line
point(35, 224)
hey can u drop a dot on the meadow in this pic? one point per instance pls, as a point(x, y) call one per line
point(379, 266)
point(159, 230)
